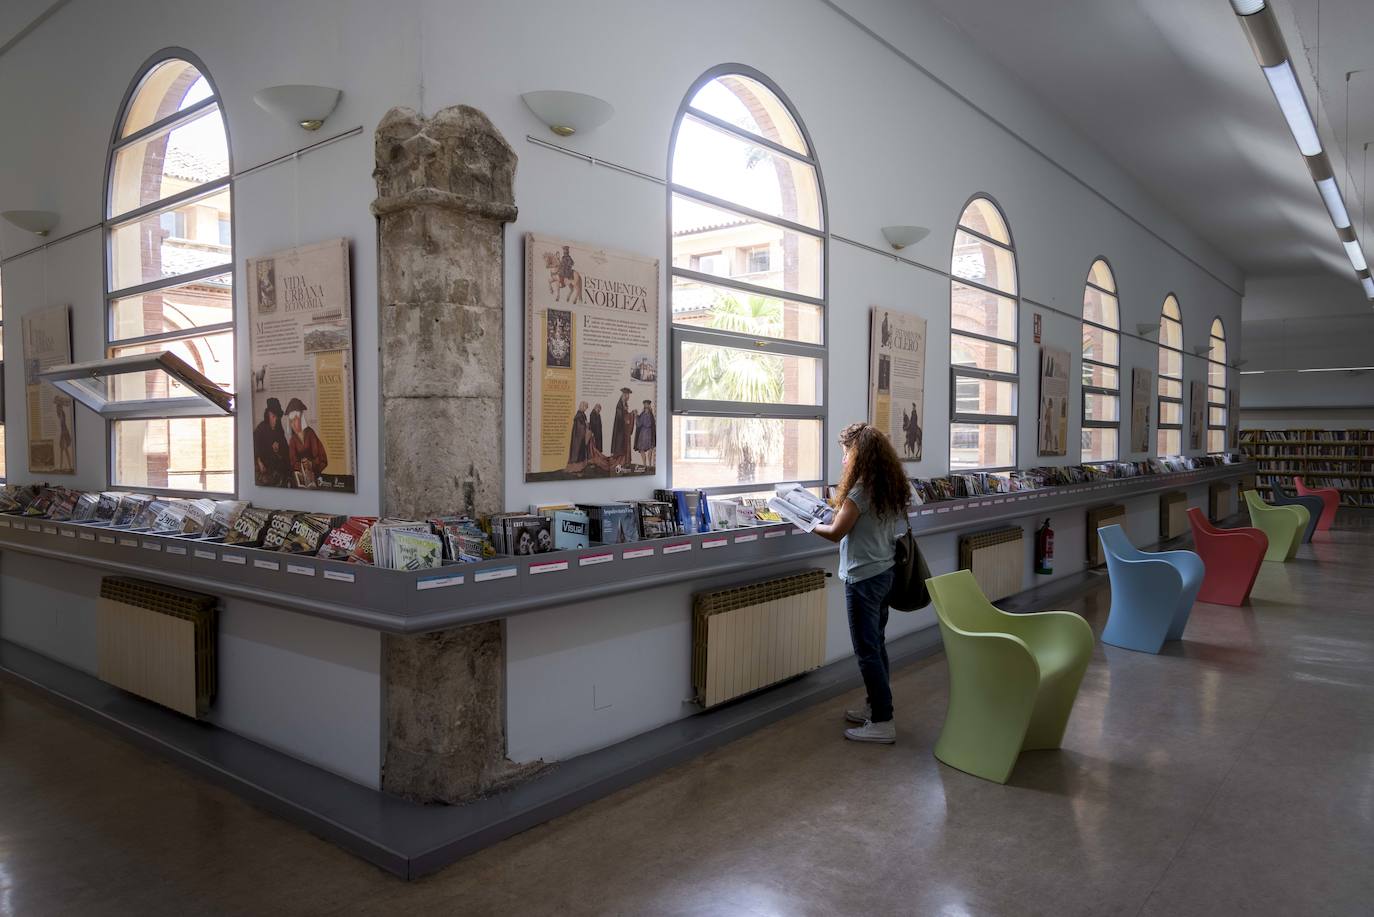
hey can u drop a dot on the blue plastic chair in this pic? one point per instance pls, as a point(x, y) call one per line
point(1152, 594)
point(1314, 507)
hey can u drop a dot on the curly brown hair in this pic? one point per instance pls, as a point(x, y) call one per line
point(874, 466)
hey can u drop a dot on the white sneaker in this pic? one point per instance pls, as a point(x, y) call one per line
point(882, 733)
point(859, 715)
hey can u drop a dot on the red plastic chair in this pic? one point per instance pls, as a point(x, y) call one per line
point(1232, 557)
point(1331, 498)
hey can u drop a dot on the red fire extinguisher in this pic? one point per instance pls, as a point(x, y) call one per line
point(1044, 549)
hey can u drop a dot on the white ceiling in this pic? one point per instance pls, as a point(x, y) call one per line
point(17, 16)
point(1171, 90)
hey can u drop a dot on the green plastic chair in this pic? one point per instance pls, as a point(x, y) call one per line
point(1282, 525)
point(1012, 678)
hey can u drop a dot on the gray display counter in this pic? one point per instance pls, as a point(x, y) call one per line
point(406, 602)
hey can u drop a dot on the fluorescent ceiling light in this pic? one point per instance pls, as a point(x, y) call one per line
point(1252, 372)
point(1247, 7)
point(1337, 369)
point(1289, 94)
point(1352, 250)
point(1368, 286)
point(1334, 205)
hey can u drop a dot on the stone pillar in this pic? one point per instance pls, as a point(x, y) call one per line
point(445, 189)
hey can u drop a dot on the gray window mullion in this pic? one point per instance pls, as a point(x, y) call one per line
point(770, 292)
point(757, 216)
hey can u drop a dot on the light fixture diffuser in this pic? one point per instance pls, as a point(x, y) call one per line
point(1331, 195)
point(1289, 94)
point(899, 237)
point(307, 106)
point(38, 222)
point(566, 113)
point(1356, 255)
point(1247, 7)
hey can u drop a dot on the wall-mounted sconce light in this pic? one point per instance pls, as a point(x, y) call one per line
point(1237, 364)
point(1202, 350)
point(1147, 331)
point(899, 237)
point(307, 106)
point(38, 222)
point(566, 113)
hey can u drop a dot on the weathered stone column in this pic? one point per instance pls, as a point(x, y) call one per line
point(445, 189)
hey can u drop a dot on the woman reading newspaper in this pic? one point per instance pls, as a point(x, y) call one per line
point(872, 495)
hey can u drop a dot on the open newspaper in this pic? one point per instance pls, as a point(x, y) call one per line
point(800, 506)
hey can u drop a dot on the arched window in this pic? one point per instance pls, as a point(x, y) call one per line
point(982, 341)
point(1170, 437)
point(748, 249)
point(1101, 365)
point(1216, 388)
point(170, 271)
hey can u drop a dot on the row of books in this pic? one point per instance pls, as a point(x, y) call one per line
point(978, 483)
point(1289, 436)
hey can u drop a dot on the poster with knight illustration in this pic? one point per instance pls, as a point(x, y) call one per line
point(591, 361)
point(896, 379)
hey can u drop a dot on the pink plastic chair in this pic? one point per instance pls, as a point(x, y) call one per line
point(1331, 498)
point(1232, 557)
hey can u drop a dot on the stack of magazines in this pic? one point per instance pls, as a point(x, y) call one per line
point(400, 545)
point(800, 507)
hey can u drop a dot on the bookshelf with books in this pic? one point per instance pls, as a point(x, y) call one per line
point(1339, 459)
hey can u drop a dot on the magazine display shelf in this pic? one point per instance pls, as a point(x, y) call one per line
point(405, 602)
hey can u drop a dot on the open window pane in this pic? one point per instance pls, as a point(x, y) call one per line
point(724, 451)
point(172, 242)
point(1101, 345)
point(192, 305)
point(727, 166)
point(967, 351)
point(210, 355)
point(983, 262)
point(1100, 376)
point(981, 312)
point(177, 453)
point(716, 241)
point(984, 396)
point(705, 305)
point(1101, 407)
point(981, 445)
point(1169, 442)
point(750, 106)
point(145, 383)
point(711, 373)
point(169, 163)
point(1099, 444)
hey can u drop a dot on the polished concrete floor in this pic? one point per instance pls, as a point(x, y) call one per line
point(1234, 774)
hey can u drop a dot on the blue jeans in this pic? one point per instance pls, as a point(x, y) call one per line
point(867, 603)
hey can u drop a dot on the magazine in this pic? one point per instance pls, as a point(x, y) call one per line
point(800, 507)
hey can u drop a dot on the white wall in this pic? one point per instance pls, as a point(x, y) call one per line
point(894, 147)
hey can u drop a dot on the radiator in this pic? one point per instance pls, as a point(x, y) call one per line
point(996, 559)
point(157, 642)
point(753, 636)
point(1173, 514)
point(1115, 514)
point(1219, 504)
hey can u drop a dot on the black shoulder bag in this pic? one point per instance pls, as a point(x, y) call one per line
point(909, 574)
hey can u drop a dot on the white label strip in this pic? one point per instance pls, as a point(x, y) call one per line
point(88, 536)
point(205, 555)
point(776, 533)
point(68, 533)
point(338, 576)
point(957, 508)
point(439, 582)
point(1022, 497)
point(552, 566)
point(151, 546)
point(107, 539)
point(265, 564)
point(129, 542)
point(234, 559)
point(943, 509)
point(484, 576)
point(679, 548)
point(927, 512)
point(591, 560)
point(300, 570)
point(632, 553)
point(745, 539)
point(706, 545)
point(176, 549)
point(798, 532)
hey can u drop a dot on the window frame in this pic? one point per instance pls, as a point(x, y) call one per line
point(1115, 367)
point(1212, 338)
point(682, 334)
point(956, 372)
point(111, 222)
point(1160, 398)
